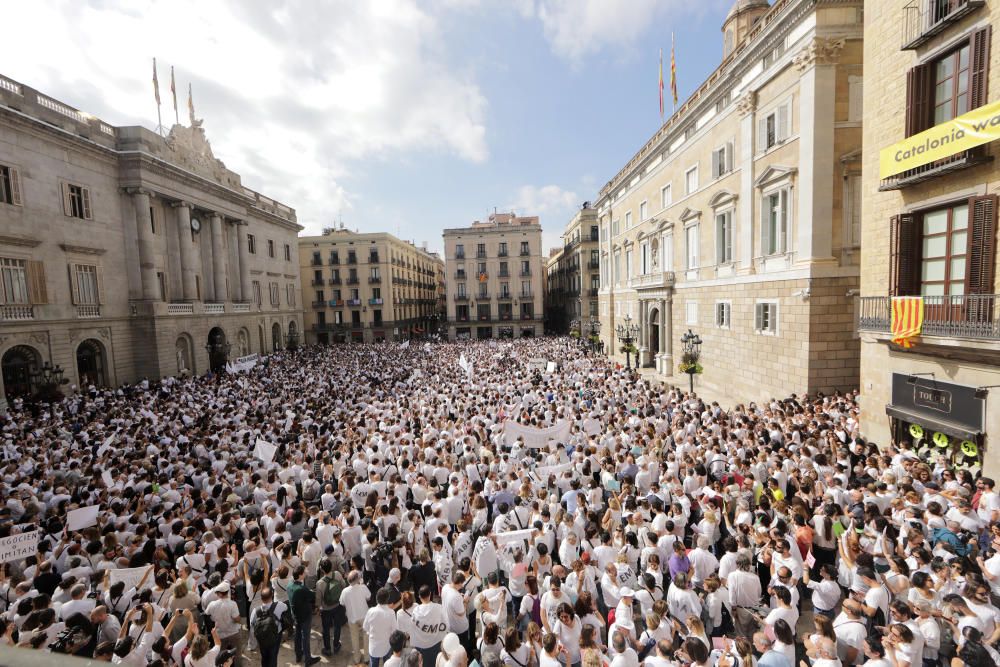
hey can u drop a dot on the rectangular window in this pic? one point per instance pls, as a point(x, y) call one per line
point(723, 312)
point(722, 160)
point(773, 128)
point(643, 211)
point(951, 85)
point(525, 249)
point(691, 180)
point(459, 251)
point(273, 288)
point(616, 228)
point(691, 312)
point(290, 294)
point(10, 186)
point(376, 292)
point(270, 248)
point(480, 250)
point(483, 311)
point(691, 246)
point(774, 226)
point(14, 277)
point(628, 219)
point(258, 297)
point(644, 255)
point(724, 238)
point(503, 249)
point(76, 201)
point(377, 315)
point(288, 253)
point(251, 244)
point(483, 290)
point(852, 210)
point(355, 294)
point(766, 318)
point(504, 270)
point(944, 249)
point(460, 289)
point(338, 317)
point(525, 288)
point(373, 273)
point(505, 290)
point(618, 263)
point(525, 268)
point(481, 273)
point(628, 264)
point(666, 197)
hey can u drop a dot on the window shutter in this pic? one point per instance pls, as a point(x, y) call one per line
point(729, 156)
point(982, 245)
point(772, 321)
point(86, 203)
point(765, 228)
point(979, 67)
point(15, 187)
point(37, 292)
point(67, 200)
point(918, 99)
point(762, 134)
point(100, 285)
point(904, 262)
point(758, 312)
point(715, 164)
point(783, 122)
point(74, 287)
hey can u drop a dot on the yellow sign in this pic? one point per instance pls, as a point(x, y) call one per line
point(969, 448)
point(979, 126)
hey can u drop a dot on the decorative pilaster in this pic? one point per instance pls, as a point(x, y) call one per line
point(189, 267)
point(820, 51)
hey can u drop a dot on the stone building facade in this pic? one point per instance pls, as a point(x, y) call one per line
point(931, 232)
point(128, 255)
point(368, 287)
point(573, 274)
point(739, 219)
point(495, 278)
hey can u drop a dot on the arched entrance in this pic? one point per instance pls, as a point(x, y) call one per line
point(654, 332)
point(276, 337)
point(185, 355)
point(91, 364)
point(19, 364)
point(243, 343)
point(218, 349)
point(293, 335)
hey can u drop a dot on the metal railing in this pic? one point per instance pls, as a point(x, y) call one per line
point(334, 281)
point(374, 280)
point(593, 264)
point(352, 281)
point(959, 316)
point(316, 283)
point(319, 304)
point(922, 19)
point(960, 160)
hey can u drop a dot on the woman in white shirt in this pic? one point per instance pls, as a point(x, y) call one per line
point(784, 640)
point(514, 653)
point(568, 629)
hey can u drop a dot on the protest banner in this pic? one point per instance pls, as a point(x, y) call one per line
point(535, 438)
point(81, 518)
point(20, 546)
point(131, 576)
point(514, 536)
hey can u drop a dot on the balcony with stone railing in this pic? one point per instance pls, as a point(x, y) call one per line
point(14, 312)
point(653, 280)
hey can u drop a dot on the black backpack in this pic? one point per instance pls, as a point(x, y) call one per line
point(266, 627)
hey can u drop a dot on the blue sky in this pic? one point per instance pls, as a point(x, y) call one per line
point(391, 115)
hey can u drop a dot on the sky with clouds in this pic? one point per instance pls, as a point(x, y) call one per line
point(392, 115)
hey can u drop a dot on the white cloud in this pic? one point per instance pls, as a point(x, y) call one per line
point(554, 206)
point(293, 93)
point(578, 28)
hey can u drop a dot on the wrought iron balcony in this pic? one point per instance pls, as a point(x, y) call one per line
point(460, 275)
point(374, 280)
point(352, 281)
point(461, 297)
point(961, 316)
point(334, 281)
point(354, 302)
point(593, 265)
point(317, 283)
point(319, 304)
point(922, 19)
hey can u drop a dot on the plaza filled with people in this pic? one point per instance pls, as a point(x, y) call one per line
point(516, 503)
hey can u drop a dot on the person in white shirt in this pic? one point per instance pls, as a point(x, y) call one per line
point(826, 592)
point(226, 615)
point(355, 600)
point(430, 625)
point(625, 655)
point(379, 624)
point(454, 602)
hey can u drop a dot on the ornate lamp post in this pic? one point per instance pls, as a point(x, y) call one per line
point(627, 333)
point(692, 352)
point(595, 330)
point(292, 340)
point(47, 381)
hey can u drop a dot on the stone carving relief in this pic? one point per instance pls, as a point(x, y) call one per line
point(747, 103)
point(191, 149)
point(820, 51)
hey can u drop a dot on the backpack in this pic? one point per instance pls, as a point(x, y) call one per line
point(536, 610)
point(266, 629)
point(331, 592)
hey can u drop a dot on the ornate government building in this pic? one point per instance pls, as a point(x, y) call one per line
point(127, 255)
point(739, 220)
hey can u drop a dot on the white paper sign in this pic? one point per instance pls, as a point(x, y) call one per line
point(543, 472)
point(514, 536)
point(131, 576)
point(20, 546)
point(81, 518)
point(550, 367)
point(108, 481)
point(264, 451)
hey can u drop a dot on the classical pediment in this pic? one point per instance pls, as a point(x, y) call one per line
point(689, 214)
point(722, 198)
point(774, 173)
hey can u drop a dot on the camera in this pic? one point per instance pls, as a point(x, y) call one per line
point(69, 641)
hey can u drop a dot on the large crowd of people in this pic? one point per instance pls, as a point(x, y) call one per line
point(507, 503)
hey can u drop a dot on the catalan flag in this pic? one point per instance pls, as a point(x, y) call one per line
point(673, 71)
point(907, 319)
point(661, 85)
point(483, 277)
point(156, 84)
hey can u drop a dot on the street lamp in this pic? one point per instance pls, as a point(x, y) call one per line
point(595, 330)
point(47, 381)
point(692, 352)
point(291, 340)
point(628, 332)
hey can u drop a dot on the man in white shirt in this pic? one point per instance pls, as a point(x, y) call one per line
point(703, 562)
point(226, 616)
point(454, 601)
point(851, 631)
point(379, 624)
point(625, 655)
point(430, 624)
point(744, 594)
point(355, 600)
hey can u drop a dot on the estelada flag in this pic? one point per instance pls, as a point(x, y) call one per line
point(907, 319)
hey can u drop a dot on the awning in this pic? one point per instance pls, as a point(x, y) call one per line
point(932, 422)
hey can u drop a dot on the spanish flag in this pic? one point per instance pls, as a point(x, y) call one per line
point(907, 319)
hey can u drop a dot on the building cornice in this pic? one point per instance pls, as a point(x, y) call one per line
point(81, 250)
point(22, 241)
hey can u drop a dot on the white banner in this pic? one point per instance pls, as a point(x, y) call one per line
point(466, 366)
point(543, 472)
point(242, 364)
point(551, 367)
point(535, 438)
point(131, 576)
point(405, 345)
point(264, 451)
point(20, 546)
point(537, 364)
point(591, 426)
point(81, 518)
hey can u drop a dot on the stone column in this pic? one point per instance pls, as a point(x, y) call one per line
point(218, 259)
point(189, 267)
point(244, 254)
point(144, 226)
